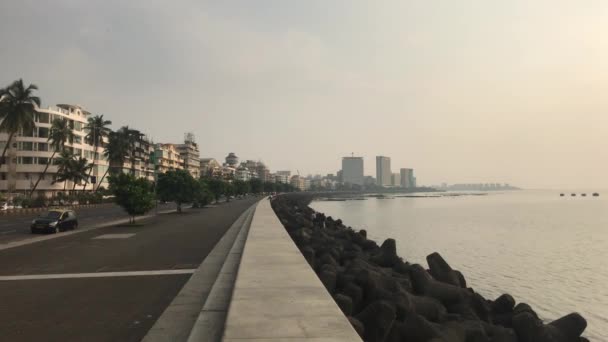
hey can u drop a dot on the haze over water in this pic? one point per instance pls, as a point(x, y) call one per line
point(545, 250)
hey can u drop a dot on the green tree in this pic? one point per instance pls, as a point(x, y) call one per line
point(97, 131)
point(229, 190)
point(134, 195)
point(216, 187)
point(78, 171)
point(59, 135)
point(17, 111)
point(115, 152)
point(269, 187)
point(256, 186)
point(64, 164)
point(178, 186)
point(241, 187)
point(203, 196)
point(130, 137)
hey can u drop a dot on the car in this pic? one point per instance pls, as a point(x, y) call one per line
point(55, 221)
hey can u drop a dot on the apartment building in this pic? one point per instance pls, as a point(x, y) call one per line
point(30, 151)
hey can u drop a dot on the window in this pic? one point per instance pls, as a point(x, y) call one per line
point(42, 160)
point(26, 146)
point(43, 147)
point(3, 176)
point(42, 117)
point(78, 126)
point(25, 160)
point(77, 152)
point(43, 132)
point(28, 133)
point(77, 139)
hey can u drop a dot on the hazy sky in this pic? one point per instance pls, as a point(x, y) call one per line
point(462, 91)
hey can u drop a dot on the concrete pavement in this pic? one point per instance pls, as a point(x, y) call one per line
point(159, 255)
point(277, 295)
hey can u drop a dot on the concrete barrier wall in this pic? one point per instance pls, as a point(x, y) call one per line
point(277, 296)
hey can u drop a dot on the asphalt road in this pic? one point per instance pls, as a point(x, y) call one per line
point(16, 228)
point(73, 306)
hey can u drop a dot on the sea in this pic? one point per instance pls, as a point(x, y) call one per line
point(547, 250)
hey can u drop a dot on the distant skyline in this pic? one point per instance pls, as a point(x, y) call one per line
point(473, 91)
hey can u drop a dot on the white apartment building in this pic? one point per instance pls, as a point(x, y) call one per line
point(191, 155)
point(242, 173)
point(30, 151)
point(167, 158)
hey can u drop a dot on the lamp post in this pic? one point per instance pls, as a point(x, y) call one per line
point(155, 163)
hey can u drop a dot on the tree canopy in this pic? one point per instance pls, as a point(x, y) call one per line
point(134, 195)
point(178, 186)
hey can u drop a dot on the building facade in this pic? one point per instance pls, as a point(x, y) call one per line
point(396, 180)
point(352, 170)
point(298, 182)
point(232, 160)
point(30, 151)
point(209, 167)
point(167, 158)
point(408, 180)
point(141, 163)
point(383, 171)
point(191, 155)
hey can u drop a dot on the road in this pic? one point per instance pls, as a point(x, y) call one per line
point(16, 228)
point(107, 284)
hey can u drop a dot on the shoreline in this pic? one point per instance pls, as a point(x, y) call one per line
point(388, 299)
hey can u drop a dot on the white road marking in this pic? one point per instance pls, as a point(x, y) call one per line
point(96, 275)
point(113, 236)
point(9, 231)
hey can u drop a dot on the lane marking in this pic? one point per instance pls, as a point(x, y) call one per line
point(97, 275)
point(8, 231)
point(113, 236)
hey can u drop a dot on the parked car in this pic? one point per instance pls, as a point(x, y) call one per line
point(55, 221)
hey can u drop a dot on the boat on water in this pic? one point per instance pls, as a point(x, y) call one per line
point(561, 195)
point(385, 197)
point(595, 194)
point(584, 195)
point(573, 195)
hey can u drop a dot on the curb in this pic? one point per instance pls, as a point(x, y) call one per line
point(178, 320)
point(209, 325)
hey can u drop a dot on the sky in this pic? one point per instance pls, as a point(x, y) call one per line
point(461, 91)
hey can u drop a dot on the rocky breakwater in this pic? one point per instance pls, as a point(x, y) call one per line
point(388, 299)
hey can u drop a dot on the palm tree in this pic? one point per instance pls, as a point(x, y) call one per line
point(79, 169)
point(64, 167)
point(60, 133)
point(132, 136)
point(116, 151)
point(98, 130)
point(17, 110)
